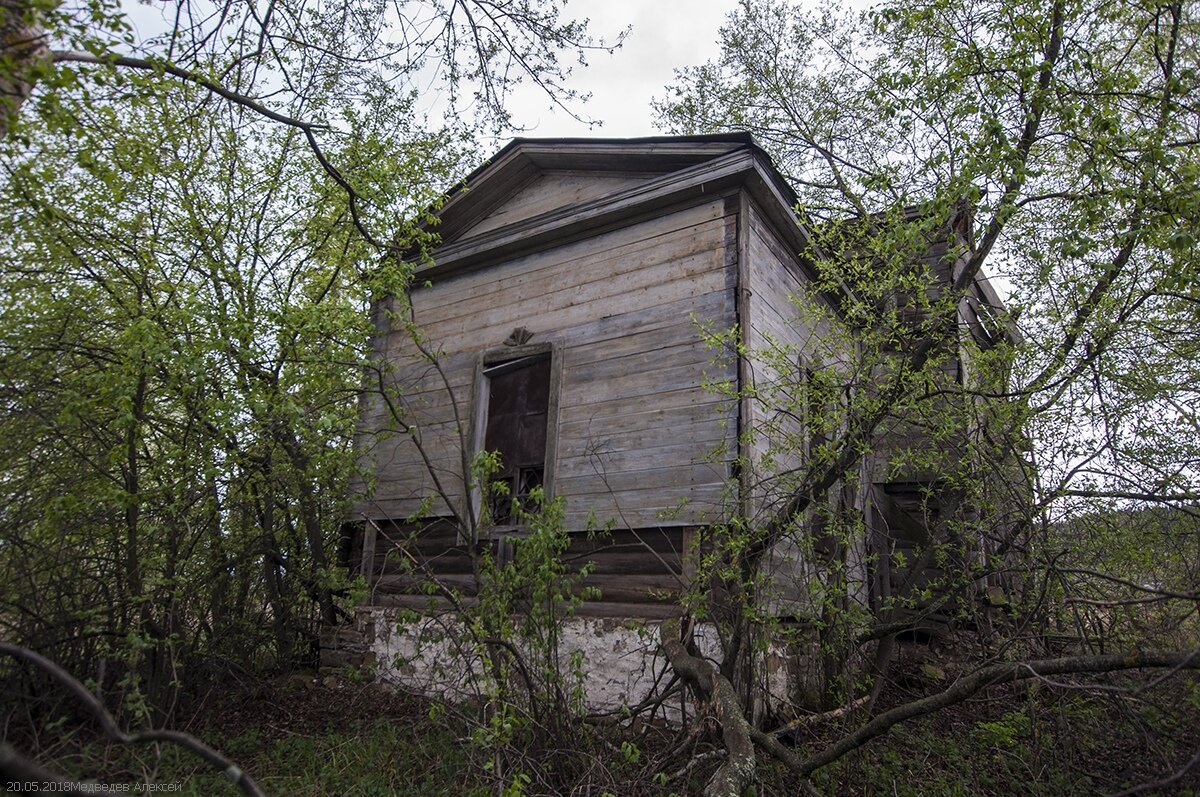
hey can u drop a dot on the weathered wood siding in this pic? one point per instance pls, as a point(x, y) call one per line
point(789, 327)
point(553, 190)
point(638, 432)
point(639, 572)
point(899, 439)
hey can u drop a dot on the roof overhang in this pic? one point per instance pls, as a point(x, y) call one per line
point(523, 159)
point(696, 168)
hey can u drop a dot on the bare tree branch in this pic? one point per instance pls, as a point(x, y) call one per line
point(990, 676)
point(113, 731)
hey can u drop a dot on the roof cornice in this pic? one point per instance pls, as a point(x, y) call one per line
point(524, 159)
point(743, 168)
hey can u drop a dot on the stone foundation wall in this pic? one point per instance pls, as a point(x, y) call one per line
point(346, 648)
point(622, 665)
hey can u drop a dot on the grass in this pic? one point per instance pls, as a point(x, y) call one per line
point(351, 741)
point(357, 741)
point(1032, 741)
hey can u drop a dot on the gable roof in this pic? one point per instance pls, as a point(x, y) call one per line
point(541, 192)
point(522, 160)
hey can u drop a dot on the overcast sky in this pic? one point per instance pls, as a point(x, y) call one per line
point(664, 36)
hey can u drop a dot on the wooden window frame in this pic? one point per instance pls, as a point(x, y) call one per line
point(479, 415)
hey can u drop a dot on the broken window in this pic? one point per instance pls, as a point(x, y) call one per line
point(517, 412)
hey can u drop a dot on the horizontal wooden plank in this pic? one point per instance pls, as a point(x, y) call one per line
point(608, 245)
point(396, 456)
point(423, 392)
point(619, 252)
point(625, 594)
point(672, 333)
point(438, 439)
point(436, 534)
point(692, 405)
point(647, 468)
point(715, 308)
point(688, 350)
point(667, 281)
point(642, 582)
point(633, 589)
point(408, 479)
point(704, 441)
point(602, 608)
point(662, 540)
point(622, 563)
point(386, 507)
point(700, 505)
point(449, 561)
point(651, 383)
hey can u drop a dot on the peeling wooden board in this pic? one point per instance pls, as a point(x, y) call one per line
point(664, 282)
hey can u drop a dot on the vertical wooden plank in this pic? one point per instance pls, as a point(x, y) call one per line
point(367, 565)
point(741, 244)
point(551, 465)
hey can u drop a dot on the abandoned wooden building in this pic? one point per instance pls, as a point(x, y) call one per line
point(567, 320)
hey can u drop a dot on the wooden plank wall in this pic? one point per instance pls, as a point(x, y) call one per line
point(637, 428)
point(638, 572)
point(901, 435)
point(785, 324)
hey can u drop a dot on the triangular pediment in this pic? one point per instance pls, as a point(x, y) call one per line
point(554, 190)
point(531, 178)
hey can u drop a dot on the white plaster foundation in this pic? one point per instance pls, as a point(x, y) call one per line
point(622, 663)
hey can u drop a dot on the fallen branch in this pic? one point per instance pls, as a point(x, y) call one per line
point(991, 676)
point(696, 761)
point(812, 719)
point(738, 770)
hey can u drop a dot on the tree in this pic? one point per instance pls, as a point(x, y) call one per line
point(298, 65)
point(1069, 132)
point(196, 221)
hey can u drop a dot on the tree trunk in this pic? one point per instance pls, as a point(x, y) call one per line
point(22, 46)
point(738, 772)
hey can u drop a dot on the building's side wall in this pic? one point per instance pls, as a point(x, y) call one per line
point(941, 261)
point(788, 328)
point(636, 427)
